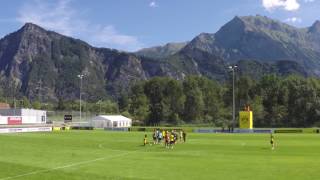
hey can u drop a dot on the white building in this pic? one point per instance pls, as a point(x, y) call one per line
point(22, 116)
point(111, 121)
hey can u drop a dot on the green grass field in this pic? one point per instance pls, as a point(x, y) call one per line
point(119, 155)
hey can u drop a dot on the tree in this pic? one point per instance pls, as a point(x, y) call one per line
point(174, 101)
point(212, 99)
point(245, 87)
point(274, 99)
point(138, 106)
point(25, 103)
point(123, 102)
point(61, 106)
point(109, 107)
point(154, 91)
point(36, 105)
point(194, 105)
point(257, 108)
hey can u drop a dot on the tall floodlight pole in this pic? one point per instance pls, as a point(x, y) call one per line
point(39, 92)
point(100, 107)
point(80, 76)
point(233, 67)
point(14, 104)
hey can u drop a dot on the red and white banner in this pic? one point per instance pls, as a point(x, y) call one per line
point(19, 120)
point(14, 120)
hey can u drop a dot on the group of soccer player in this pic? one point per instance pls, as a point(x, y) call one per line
point(169, 138)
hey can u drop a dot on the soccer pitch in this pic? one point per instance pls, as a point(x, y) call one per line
point(120, 155)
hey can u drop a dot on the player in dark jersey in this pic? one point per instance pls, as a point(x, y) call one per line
point(184, 135)
point(272, 141)
point(167, 140)
point(154, 136)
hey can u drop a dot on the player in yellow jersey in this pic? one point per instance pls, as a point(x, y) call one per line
point(164, 136)
point(172, 140)
point(145, 141)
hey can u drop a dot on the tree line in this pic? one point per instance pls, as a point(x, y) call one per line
point(276, 101)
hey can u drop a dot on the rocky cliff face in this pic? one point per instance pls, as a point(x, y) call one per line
point(39, 63)
point(45, 64)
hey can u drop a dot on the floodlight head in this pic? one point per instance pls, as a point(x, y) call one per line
point(232, 67)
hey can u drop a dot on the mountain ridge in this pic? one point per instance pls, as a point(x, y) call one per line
point(32, 56)
point(164, 51)
point(249, 37)
point(44, 65)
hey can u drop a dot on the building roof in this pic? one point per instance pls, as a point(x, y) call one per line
point(112, 118)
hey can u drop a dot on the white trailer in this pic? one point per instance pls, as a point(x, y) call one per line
point(111, 121)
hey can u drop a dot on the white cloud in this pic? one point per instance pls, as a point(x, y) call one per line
point(293, 20)
point(62, 18)
point(108, 35)
point(153, 4)
point(288, 5)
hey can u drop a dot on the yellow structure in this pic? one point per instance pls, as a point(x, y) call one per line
point(245, 119)
point(56, 128)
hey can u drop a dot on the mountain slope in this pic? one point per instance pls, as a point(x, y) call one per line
point(262, 39)
point(43, 64)
point(161, 51)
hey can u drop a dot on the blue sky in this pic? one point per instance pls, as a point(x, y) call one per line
point(133, 24)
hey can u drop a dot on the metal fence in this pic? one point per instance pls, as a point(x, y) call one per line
point(58, 116)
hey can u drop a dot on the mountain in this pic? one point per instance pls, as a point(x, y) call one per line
point(256, 69)
point(159, 52)
point(256, 38)
point(44, 64)
point(315, 28)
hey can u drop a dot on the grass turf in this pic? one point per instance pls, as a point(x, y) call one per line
point(119, 155)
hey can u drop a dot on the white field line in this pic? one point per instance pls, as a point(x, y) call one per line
point(67, 166)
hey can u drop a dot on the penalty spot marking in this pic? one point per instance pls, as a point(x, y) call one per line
point(68, 166)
